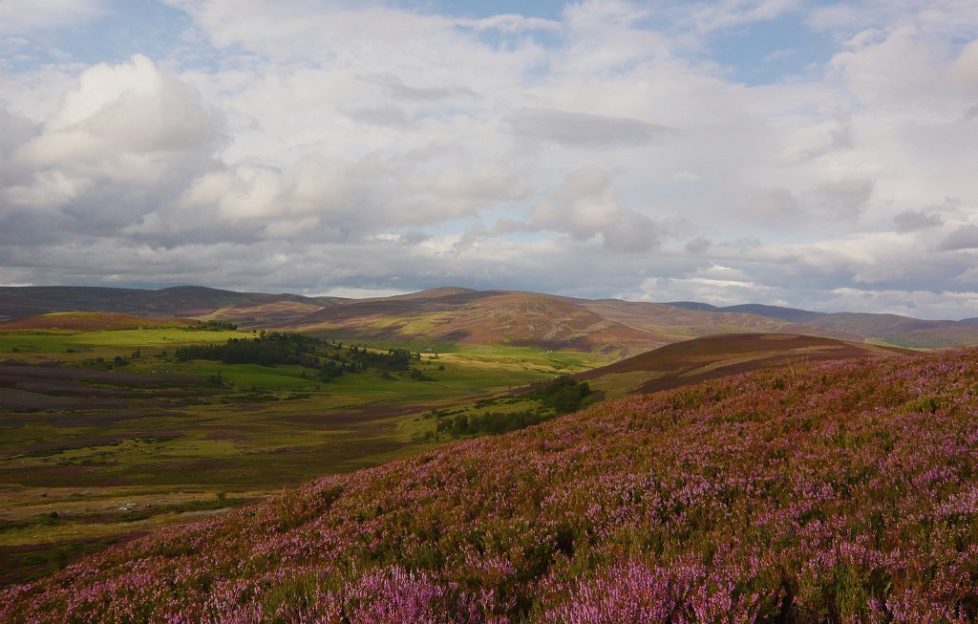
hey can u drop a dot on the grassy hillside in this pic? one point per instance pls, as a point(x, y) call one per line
point(846, 493)
point(91, 321)
point(107, 433)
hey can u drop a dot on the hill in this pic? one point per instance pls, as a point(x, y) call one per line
point(481, 317)
point(844, 493)
point(894, 329)
point(85, 321)
point(461, 316)
point(793, 315)
point(610, 326)
point(607, 325)
point(712, 357)
point(179, 301)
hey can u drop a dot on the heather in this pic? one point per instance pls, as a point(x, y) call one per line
point(842, 492)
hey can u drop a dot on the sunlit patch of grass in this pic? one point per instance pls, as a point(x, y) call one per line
point(241, 427)
point(618, 385)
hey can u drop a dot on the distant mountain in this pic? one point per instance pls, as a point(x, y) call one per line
point(894, 329)
point(459, 315)
point(792, 315)
point(611, 326)
point(179, 301)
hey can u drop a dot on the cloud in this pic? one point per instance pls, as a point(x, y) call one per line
point(584, 129)
point(399, 91)
point(965, 237)
point(390, 116)
point(913, 220)
point(129, 108)
point(964, 70)
point(772, 203)
point(125, 139)
point(586, 206)
point(706, 17)
point(510, 23)
point(698, 245)
point(20, 16)
point(494, 183)
point(307, 145)
point(844, 198)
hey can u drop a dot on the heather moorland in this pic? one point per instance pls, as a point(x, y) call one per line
point(837, 492)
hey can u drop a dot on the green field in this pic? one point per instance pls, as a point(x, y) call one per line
point(104, 434)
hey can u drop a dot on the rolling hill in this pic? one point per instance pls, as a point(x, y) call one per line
point(612, 326)
point(91, 321)
point(844, 493)
point(179, 301)
point(457, 315)
point(481, 317)
point(894, 329)
point(712, 357)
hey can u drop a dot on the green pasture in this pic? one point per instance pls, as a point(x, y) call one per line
point(240, 432)
point(76, 345)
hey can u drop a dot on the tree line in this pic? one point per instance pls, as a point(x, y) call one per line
point(329, 359)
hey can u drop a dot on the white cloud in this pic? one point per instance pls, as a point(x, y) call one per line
point(21, 16)
point(123, 139)
point(584, 129)
point(130, 108)
point(587, 206)
point(911, 220)
point(511, 23)
point(964, 237)
point(378, 144)
point(707, 17)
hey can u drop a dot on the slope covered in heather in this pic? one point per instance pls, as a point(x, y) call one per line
point(691, 361)
point(845, 493)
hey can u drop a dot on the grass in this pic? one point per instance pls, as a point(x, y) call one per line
point(844, 492)
point(78, 345)
point(155, 441)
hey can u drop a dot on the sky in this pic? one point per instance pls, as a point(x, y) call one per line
point(811, 154)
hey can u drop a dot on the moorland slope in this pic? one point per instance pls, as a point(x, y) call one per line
point(712, 357)
point(845, 493)
point(460, 316)
point(890, 328)
point(178, 301)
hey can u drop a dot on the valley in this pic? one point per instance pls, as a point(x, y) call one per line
point(107, 433)
point(842, 492)
point(116, 424)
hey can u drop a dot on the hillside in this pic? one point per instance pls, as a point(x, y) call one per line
point(712, 357)
point(90, 321)
point(463, 316)
point(894, 329)
point(179, 301)
point(611, 326)
point(845, 493)
point(482, 317)
point(460, 316)
point(793, 315)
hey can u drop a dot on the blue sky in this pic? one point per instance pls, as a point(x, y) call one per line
point(814, 154)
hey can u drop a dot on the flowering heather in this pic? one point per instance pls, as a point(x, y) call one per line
point(844, 493)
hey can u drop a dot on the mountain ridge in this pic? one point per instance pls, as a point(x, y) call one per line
point(452, 314)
